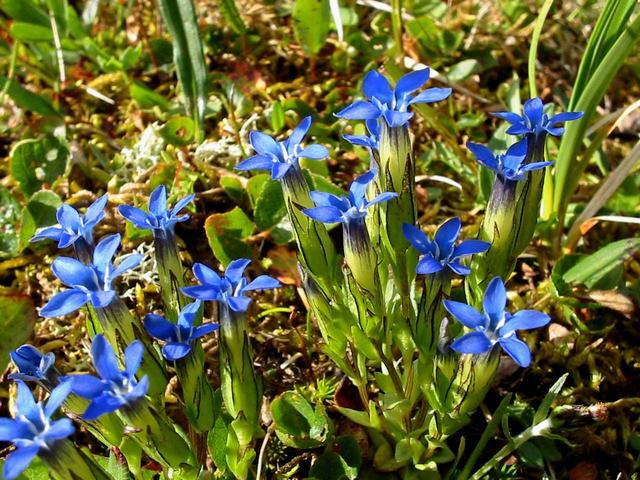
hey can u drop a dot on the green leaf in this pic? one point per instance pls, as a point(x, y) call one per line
point(188, 56)
point(9, 218)
point(311, 24)
point(30, 32)
point(179, 131)
point(147, 98)
point(25, 11)
point(39, 212)
point(226, 233)
point(545, 406)
point(27, 100)
point(38, 162)
point(277, 117)
point(216, 442)
point(232, 187)
point(255, 186)
point(232, 16)
point(298, 423)
point(16, 323)
point(463, 70)
point(593, 268)
point(269, 208)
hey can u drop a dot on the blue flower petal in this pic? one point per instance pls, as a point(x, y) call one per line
point(202, 292)
point(361, 140)
point(235, 270)
point(428, 265)
point(136, 216)
point(264, 144)
point(263, 282)
point(530, 167)
point(516, 349)
point(63, 303)
point(104, 358)
point(469, 247)
point(431, 95)
point(206, 275)
point(175, 351)
point(11, 429)
point(465, 314)
point(133, 357)
point(95, 211)
point(101, 299)
point(324, 214)
point(298, 135)
point(483, 155)
point(446, 236)
point(383, 197)
point(182, 204)
point(128, 262)
point(105, 250)
point(412, 81)
point(239, 304)
point(473, 342)
point(459, 269)
point(159, 327)
point(73, 273)
point(18, 460)
point(158, 201)
point(375, 85)
point(86, 386)
point(188, 314)
point(204, 329)
point(418, 239)
point(60, 429)
point(534, 110)
point(51, 233)
point(68, 217)
point(495, 298)
point(359, 186)
point(257, 162)
point(139, 391)
point(509, 117)
point(314, 152)
point(279, 170)
point(524, 320)
point(57, 397)
point(102, 405)
point(359, 110)
point(397, 119)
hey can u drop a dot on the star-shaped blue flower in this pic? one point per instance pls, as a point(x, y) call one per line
point(229, 290)
point(508, 165)
point(346, 209)
point(32, 364)
point(33, 430)
point(159, 216)
point(88, 283)
point(279, 157)
point(73, 226)
point(495, 325)
point(179, 337)
point(442, 252)
point(535, 121)
point(372, 140)
point(114, 388)
point(389, 103)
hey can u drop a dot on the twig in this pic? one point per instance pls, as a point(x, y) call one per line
point(263, 449)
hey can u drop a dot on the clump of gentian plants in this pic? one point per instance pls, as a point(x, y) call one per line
point(420, 363)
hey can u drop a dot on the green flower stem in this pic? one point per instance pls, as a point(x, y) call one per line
point(241, 387)
point(516, 442)
point(120, 328)
point(197, 393)
point(317, 252)
point(108, 429)
point(509, 225)
point(157, 436)
point(426, 327)
point(64, 461)
point(170, 271)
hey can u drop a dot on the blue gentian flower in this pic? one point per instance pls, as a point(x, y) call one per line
point(229, 290)
point(32, 430)
point(279, 157)
point(371, 141)
point(346, 209)
point(534, 121)
point(159, 216)
point(392, 104)
point(33, 365)
point(179, 337)
point(72, 226)
point(509, 165)
point(495, 325)
point(442, 252)
point(114, 388)
point(88, 283)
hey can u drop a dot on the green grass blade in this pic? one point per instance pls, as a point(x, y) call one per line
point(230, 12)
point(533, 51)
point(568, 168)
point(188, 56)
